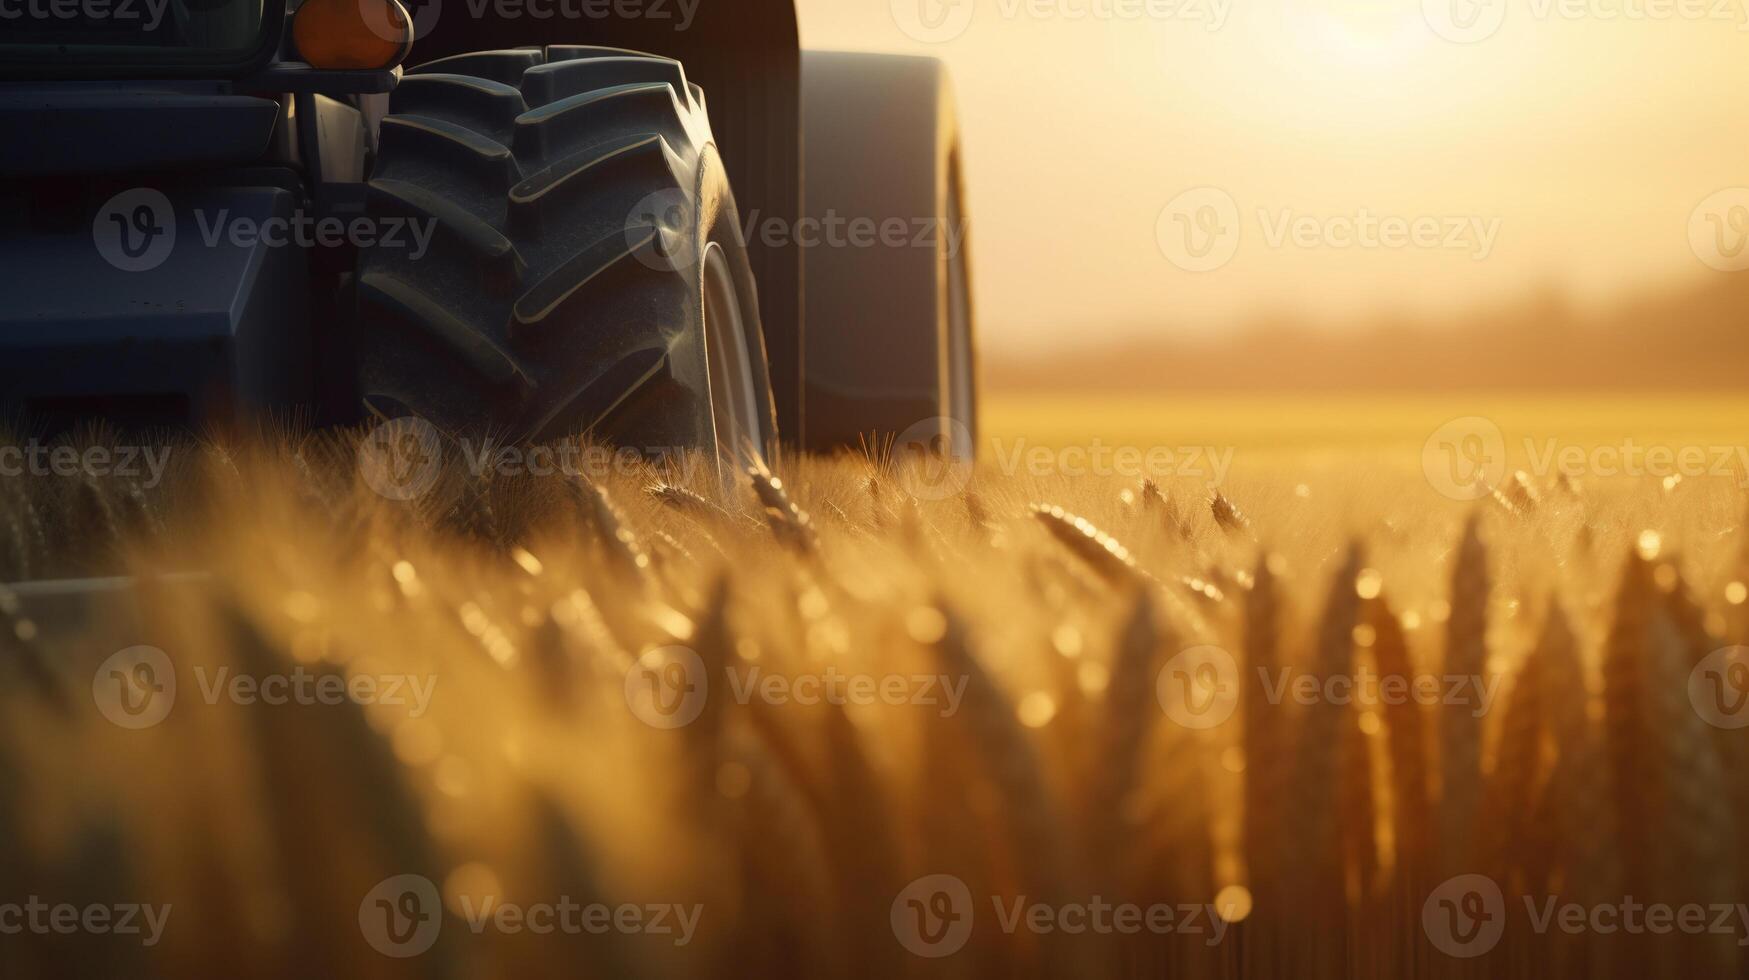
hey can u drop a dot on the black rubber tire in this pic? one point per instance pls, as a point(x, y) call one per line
point(882, 145)
point(572, 190)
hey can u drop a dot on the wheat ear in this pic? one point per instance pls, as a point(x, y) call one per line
point(1460, 728)
point(789, 524)
point(625, 553)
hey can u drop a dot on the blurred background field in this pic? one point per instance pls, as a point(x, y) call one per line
point(1369, 423)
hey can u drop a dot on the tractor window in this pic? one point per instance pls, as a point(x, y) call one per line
point(123, 33)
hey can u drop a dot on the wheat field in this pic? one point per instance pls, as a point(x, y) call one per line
point(1074, 726)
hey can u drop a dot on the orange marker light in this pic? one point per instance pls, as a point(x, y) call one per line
point(352, 34)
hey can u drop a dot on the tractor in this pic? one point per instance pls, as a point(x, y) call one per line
point(654, 222)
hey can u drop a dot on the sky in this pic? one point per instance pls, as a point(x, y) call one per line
point(1148, 165)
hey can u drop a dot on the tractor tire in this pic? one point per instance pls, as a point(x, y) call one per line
point(585, 273)
point(890, 356)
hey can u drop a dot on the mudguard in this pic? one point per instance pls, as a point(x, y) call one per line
point(891, 331)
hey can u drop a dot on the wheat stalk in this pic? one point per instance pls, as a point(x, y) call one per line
point(1460, 730)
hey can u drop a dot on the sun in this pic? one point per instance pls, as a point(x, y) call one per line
point(1360, 33)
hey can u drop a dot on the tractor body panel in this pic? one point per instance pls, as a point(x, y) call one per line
point(91, 128)
point(219, 323)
